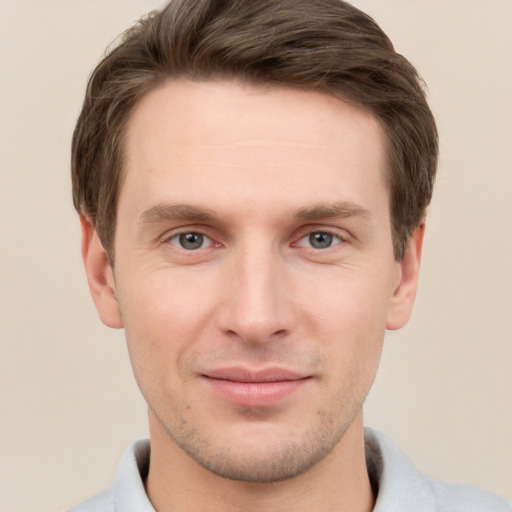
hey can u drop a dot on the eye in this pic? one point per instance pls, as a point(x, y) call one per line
point(190, 241)
point(320, 240)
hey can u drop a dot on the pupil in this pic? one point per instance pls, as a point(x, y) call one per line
point(191, 241)
point(320, 240)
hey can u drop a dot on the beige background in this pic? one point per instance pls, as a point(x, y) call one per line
point(68, 404)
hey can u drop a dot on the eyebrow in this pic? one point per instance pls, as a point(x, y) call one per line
point(179, 211)
point(342, 210)
point(166, 212)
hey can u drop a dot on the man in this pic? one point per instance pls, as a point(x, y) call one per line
point(252, 180)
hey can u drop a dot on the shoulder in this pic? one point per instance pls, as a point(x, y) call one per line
point(465, 498)
point(127, 492)
point(102, 502)
point(401, 487)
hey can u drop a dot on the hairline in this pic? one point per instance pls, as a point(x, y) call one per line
point(264, 85)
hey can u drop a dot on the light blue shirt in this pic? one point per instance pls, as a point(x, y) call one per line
point(401, 487)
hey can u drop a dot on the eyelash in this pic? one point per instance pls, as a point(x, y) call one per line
point(177, 241)
point(178, 238)
point(336, 238)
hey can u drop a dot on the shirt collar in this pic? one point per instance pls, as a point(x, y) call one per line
point(399, 486)
point(129, 491)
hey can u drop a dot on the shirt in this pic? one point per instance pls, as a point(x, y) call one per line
point(400, 487)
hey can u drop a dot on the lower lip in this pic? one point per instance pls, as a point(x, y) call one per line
point(255, 394)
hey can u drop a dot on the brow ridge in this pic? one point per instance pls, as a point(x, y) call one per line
point(178, 211)
point(182, 211)
point(342, 209)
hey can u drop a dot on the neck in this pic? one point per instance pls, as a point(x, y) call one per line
point(339, 482)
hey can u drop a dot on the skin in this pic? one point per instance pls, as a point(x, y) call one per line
point(260, 176)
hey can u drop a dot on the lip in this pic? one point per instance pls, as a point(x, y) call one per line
point(254, 388)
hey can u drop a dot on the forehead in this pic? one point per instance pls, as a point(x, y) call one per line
point(219, 141)
point(193, 112)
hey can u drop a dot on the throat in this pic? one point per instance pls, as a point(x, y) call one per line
point(178, 483)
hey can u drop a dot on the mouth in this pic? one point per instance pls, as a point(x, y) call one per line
point(254, 388)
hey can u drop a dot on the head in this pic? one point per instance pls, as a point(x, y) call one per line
point(327, 46)
point(259, 173)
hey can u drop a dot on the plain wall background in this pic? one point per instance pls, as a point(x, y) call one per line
point(68, 403)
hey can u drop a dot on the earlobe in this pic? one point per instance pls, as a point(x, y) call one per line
point(403, 297)
point(99, 275)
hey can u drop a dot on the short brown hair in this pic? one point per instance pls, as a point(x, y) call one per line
point(324, 45)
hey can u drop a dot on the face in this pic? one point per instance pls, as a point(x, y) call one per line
point(254, 271)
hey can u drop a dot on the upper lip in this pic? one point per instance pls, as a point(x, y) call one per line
point(241, 374)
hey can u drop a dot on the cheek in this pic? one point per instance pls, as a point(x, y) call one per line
point(349, 321)
point(164, 303)
point(351, 304)
point(356, 339)
point(163, 320)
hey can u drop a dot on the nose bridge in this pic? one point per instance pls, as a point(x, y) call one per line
point(257, 305)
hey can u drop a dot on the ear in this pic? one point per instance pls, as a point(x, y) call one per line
point(407, 282)
point(99, 275)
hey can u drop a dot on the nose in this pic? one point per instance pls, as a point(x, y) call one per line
point(258, 303)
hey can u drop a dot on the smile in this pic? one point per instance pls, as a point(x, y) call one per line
point(247, 388)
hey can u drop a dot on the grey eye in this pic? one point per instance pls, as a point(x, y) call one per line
point(320, 240)
point(191, 241)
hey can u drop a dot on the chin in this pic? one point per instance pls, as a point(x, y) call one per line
point(260, 453)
